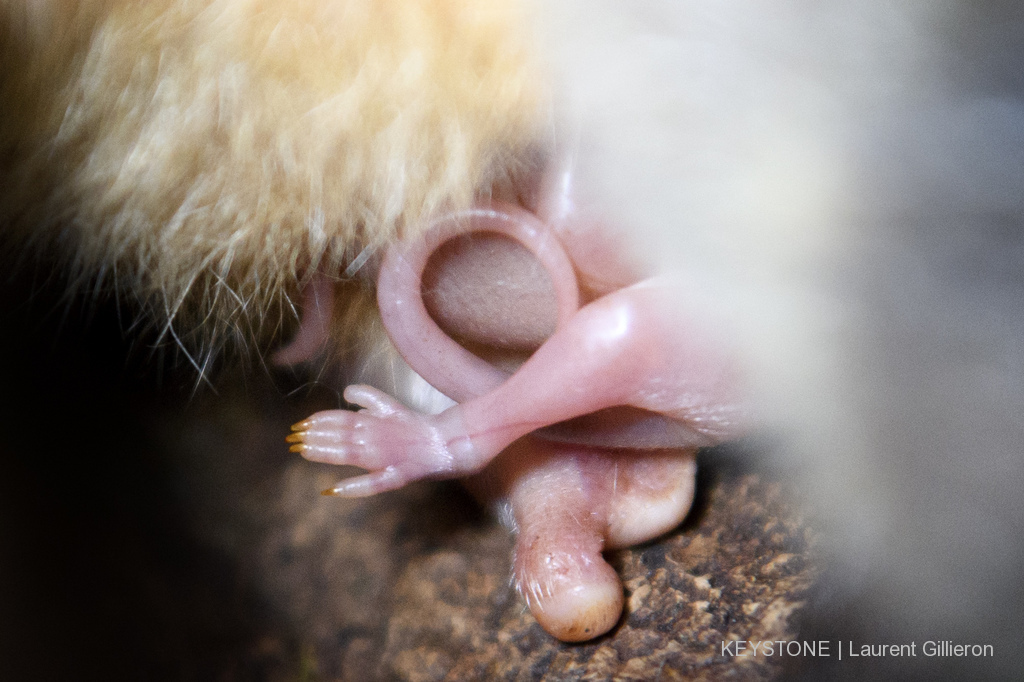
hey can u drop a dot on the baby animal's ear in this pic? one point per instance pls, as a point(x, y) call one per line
point(495, 279)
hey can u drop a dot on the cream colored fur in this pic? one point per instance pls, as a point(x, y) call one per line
point(208, 156)
point(841, 177)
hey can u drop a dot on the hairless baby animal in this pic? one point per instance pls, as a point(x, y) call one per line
point(590, 442)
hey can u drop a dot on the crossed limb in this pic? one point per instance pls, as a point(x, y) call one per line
point(608, 477)
point(628, 348)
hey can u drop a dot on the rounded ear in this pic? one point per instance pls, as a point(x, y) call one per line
point(434, 355)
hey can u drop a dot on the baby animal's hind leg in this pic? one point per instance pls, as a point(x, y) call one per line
point(626, 348)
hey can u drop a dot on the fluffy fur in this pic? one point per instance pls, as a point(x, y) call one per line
point(209, 156)
point(841, 179)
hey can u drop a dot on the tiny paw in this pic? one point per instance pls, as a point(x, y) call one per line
point(395, 444)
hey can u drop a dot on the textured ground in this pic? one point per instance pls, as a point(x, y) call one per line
point(414, 585)
point(150, 534)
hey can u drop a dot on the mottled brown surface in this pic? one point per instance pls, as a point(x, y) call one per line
point(414, 585)
point(151, 535)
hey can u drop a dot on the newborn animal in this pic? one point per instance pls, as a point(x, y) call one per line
point(836, 185)
point(632, 347)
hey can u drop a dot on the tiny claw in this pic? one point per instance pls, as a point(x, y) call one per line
point(302, 425)
point(342, 488)
point(295, 437)
point(298, 447)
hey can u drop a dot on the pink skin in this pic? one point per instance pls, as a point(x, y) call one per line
point(601, 254)
point(609, 482)
point(460, 375)
point(569, 504)
point(625, 348)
